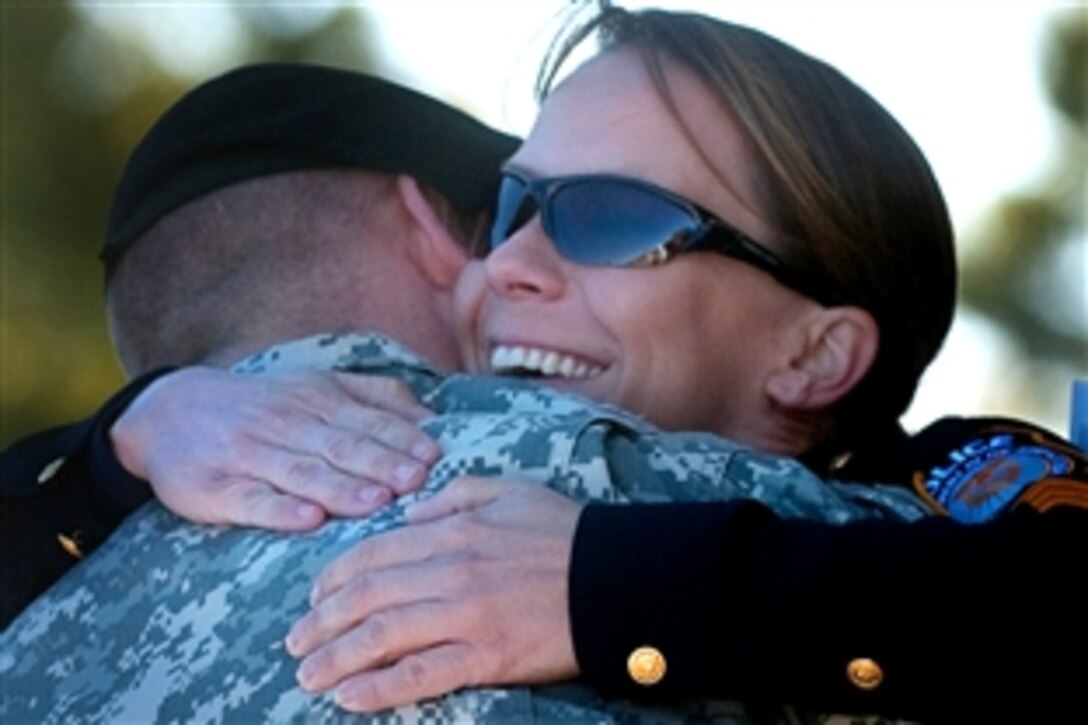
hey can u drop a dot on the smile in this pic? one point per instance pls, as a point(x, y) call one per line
point(520, 360)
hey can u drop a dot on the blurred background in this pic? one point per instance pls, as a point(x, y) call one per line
point(994, 92)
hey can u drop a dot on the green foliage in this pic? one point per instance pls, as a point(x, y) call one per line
point(1066, 77)
point(77, 95)
point(1028, 272)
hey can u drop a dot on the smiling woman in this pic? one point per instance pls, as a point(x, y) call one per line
point(717, 599)
point(600, 249)
point(101, 75)
point(961, 106)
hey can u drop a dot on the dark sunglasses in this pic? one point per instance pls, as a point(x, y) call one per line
point(603, 220)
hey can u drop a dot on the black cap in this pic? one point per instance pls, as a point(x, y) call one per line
point(273, 118)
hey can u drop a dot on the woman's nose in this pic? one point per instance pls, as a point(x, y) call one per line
point(526, 264)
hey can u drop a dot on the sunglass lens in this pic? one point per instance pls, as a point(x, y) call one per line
point(602, 222)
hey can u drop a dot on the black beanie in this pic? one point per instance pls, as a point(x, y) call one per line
point(274, 118)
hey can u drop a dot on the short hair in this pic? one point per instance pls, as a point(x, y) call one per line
point(267, 258)
point(239, 201)
point(852, 198)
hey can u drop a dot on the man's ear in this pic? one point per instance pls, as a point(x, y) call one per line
point(438, 255)
point(836, 347)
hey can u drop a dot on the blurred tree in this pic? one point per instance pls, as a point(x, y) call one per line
point(1028, 270)
point(79, 87)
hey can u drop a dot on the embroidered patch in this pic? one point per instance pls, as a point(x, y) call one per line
point(986, 474)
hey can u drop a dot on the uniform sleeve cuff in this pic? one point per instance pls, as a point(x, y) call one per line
point(631, 566)
point(119, 491)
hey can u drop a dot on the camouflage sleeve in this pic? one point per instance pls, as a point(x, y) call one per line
point(171, 621)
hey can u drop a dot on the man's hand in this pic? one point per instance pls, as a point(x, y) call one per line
point(472, 592)
point(280, 450)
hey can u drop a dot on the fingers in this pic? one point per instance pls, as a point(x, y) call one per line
point(476, 595)
point(385, 636)
point(391, 548)
point(415, 677)
point(244, 502)
point(337, 429)
point(312, 437)
point(350, 604)
point(341, 493)
point(462, 494)
point(383, 392)
point(398, 459)
point(325, 436)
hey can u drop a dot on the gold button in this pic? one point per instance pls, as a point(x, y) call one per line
point(50, 470)
point(646, 665)
point(865, 673)
point(71, 544)
point(839, 462)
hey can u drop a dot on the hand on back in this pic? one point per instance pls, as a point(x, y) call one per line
point(472, 592)
point(279, 450)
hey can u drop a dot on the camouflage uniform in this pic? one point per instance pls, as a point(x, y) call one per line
point(174, 622)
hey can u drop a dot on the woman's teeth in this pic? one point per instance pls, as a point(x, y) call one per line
point(519, 360)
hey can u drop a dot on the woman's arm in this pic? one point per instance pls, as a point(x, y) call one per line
point(61, 496)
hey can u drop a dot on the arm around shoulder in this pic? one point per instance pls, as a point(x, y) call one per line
point(934, 620)
point(62, 494)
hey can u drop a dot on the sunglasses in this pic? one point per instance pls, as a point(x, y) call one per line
point(603, 220)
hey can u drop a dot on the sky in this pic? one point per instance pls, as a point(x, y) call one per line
point(962, 76)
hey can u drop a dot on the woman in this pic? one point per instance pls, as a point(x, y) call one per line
point(714, 230)
point(717, 232)
point(842, 302)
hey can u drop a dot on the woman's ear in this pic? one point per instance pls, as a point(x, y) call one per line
point(431, 245)
point(839, 345)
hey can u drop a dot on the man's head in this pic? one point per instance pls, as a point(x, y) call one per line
point(282, 200)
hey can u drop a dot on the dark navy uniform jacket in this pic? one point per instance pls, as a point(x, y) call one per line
point(974, 614)
point(62, 493)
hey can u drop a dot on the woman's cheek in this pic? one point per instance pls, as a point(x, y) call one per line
point(469, 295)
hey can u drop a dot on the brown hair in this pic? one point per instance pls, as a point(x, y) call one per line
point(852, 197)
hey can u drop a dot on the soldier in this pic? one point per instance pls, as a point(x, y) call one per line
point(298, 157)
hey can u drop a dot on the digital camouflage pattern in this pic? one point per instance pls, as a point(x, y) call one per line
point(175, 622)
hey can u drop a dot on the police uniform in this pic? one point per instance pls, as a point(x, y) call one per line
point(971, 616)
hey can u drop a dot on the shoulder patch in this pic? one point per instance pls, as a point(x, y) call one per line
point(1002, 467)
